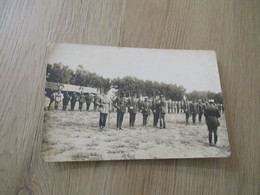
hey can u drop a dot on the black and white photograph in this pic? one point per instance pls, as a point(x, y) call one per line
point(119, 103)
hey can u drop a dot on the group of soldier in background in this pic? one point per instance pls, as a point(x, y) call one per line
point(158, 106)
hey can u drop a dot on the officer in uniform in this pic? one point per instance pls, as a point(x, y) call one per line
point(132, 109)
point(146, 111)
point(200, 110)
point(104, 105)
point(81, 100)
point(162, 112)
point(186, 108)
point(212, 114)
point(65, 100)
point(120, 104)
point(57, 97)
point(193, 111)
point(155, 110)
point(51, 101)
point(169, 106)
point(88, 101)
point(74, 99)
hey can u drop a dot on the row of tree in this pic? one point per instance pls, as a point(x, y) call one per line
point(60, 73)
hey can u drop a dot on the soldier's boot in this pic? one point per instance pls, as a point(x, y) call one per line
point(210, 138)
point(215, 138)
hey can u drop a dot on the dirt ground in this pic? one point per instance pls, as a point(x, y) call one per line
point(75, 136)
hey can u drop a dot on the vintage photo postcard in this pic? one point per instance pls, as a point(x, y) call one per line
point(111, 103)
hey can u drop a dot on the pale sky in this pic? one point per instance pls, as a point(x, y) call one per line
point(193, 69)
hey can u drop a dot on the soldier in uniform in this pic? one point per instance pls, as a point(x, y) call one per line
point(193, 111)
point(57, 98)
point(212, 114)
point(178, 106)
point(146, 111)
point(120, 104)
point(96, 100)
point(65, 100)
point(104, 106)
point(81, 100)
point(200, 110)
point(172, 106)
point(88, 101)
point(155, 110)
point(51, 101)
point(169, 106)
point(74, 99)
point(132, 109)
point(186, 108)
point(162, 112)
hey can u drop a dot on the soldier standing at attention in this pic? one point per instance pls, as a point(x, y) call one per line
point(193, 111)
point(88, 101)
point(57, 97)
point(212, 114)
point(104, 105)
point(65, 101)
point(74, 99)
point(178, 106)
point(162, 112)
point(51, 101)
point(200, 110)
point(146, 111)
point(155, 110)
point(186, 108)
point(81, 100)
point(169, 106)
point(132, 109)
point(120, 105)
point(172, 106)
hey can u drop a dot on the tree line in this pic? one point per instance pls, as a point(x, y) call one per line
point(60, 73)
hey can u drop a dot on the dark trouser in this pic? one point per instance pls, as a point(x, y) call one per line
point(56, 105)
point(102, 120)
point(50, 105)
point(169, 110)
point(178, 110)
point(132, 119)
point(187, 118)
point(194, 118)
point(88, 105)
point(200, 116)
point(72, 105)
point(145, 116)
point(80, 106)
point(162, 120)
point(155, 119)
point(64, 105)
point(119, 119)
point(214, 130)
point(95, 107)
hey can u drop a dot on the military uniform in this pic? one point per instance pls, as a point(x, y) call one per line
point(186, 108)
point(200, 110)
point(178, 107)
point(88, 101)
point(162, 114)
point(193, 111)
point(212, 114)
point(169, 106)
point(81, 101)
point(132, 109)
point(104, 109)
point(57, 97)
point(51, 101)
point(65, 101)
point(145, 111)
point(156, 110)
point(120, 105)
point(74, 99)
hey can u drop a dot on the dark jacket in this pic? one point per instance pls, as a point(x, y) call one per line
point(193, 109)
point(132, 105)
point(212, 114)
point(120, 104)
point(163, 107)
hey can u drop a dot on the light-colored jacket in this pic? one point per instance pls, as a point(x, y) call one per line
point(104, 105)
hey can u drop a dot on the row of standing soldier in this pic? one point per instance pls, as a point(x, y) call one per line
point(157, 106)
